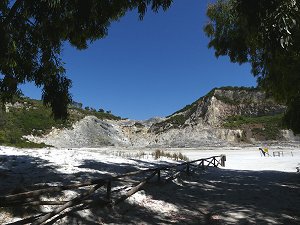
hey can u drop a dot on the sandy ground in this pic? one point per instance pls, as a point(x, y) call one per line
point(251, 189)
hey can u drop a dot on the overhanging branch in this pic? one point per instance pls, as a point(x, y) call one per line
point(13, 11)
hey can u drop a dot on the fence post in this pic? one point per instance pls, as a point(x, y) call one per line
point(108, 190)
point(158, 175)
point(223, 159)
point(203, 166)
point(187, 168)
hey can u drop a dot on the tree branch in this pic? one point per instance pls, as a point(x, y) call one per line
point(13, 11)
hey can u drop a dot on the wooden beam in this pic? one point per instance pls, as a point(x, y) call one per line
point(108, 190)
point(188, 169)
point(158, 175)
point(69, 204)
point(134, 189)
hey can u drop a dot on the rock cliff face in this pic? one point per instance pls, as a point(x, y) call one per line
point(198, 124)
point(209, 113)
point(220, 104)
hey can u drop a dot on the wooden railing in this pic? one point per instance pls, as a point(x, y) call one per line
point(83, 202)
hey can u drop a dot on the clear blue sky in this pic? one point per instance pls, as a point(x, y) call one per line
point(152, 67)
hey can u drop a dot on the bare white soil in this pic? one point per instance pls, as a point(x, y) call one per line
point(251, 189)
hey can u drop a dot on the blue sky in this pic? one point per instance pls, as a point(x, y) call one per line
point(152, 67)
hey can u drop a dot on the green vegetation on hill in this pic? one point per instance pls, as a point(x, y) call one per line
point(265, 127)
point(77, 114)
point(32, 117)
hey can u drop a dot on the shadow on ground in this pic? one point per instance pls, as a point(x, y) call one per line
point(21, 173)
point(213, 196)
point(217, 196)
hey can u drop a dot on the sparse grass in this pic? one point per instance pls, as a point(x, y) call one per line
point(123, 154)
point(77, 114)
point(157, 154)
point(175, 156)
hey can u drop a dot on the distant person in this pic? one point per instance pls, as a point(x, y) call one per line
point(266, 150)
point(262, 151)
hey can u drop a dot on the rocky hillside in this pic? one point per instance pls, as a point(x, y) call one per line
point(26, 116)
point(220, 104)
point(224, 115)
point(246, 111)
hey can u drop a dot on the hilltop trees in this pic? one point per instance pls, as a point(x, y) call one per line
point(32, 34)
point(266, 34)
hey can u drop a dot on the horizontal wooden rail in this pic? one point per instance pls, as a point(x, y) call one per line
point(26, 198)
point(30, 194)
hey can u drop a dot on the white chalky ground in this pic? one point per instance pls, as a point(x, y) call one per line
point(251, 188)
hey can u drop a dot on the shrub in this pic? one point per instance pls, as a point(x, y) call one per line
point(175, 156)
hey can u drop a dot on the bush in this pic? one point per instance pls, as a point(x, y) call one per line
point(175, 156)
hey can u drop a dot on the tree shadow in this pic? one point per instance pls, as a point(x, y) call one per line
point(108, 168)
point(26, 173)
point(219, 196)
point(213, 196)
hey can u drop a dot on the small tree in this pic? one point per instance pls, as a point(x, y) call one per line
point(101, 110)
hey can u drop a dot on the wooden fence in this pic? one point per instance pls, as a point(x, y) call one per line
point(83, 201)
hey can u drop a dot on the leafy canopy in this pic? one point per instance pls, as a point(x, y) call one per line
point(266, 34)
point(32, 34)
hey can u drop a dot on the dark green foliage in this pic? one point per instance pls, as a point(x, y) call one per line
point(265, 34)
point(32, 34)
point(292, 116)
point(56, 94)
point(101, 110)
point(267, 127)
